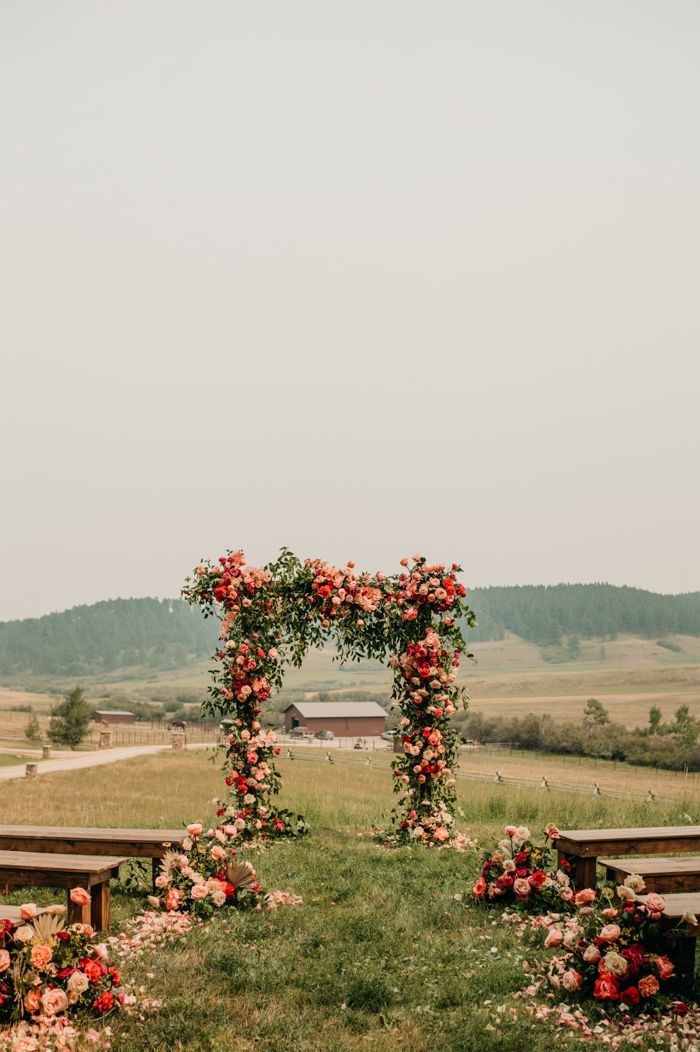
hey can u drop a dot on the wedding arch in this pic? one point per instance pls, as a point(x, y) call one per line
point(271, 615)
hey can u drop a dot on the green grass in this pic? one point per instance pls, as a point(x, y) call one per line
point(381, 956)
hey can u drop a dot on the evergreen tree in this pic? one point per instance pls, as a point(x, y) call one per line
point(70, 719)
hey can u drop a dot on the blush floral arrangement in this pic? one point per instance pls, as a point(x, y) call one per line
point(518, 873)
point(270, 616)
point(616, 954)
point(48, 970)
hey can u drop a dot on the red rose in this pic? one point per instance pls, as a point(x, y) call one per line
point(94, 970)
point(538, 878)
point(63, 936)
point(606, 988)
point(520, 858)
point(104, 1003)
point(115, 976)
point(680, 1007)
point(630, 996)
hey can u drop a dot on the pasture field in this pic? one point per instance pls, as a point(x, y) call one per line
point(385, 953)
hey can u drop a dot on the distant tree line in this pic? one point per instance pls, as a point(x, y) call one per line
point(548, 614)
point(674, 745)
point(109, 635)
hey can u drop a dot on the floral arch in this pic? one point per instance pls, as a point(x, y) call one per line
point(271, 615)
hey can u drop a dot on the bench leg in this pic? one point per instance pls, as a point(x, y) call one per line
point(584, 870)
point(686, 963)
point(155, 870)
point(78, 914)
point(100, 906)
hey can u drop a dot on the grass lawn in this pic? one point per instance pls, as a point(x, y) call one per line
point(381, 955)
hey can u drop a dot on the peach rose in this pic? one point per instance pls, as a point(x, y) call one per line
point(648, 986)
point(585, 896)
point(610, 912)
point(510, 831)
point(32, 1002)
point(80, 896)
point(591, 954)
point(610, 933)
point(54, 1001)
point(218, 853)
point(521, 888)
point(4, 960)
point(441, 834)
point(40, 957)
point(554, 938)
point(199, 891)
point(479, 888)
point(195, 828)
point(28, 911)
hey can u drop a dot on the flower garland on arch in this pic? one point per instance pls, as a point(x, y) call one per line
point(271, 615)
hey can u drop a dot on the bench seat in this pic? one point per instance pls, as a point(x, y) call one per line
point(664, 875)
point(24, 869)
point(583, 847)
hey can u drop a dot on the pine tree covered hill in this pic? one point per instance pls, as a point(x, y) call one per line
point(166, 633)
point(546, 614)
point(113, 634)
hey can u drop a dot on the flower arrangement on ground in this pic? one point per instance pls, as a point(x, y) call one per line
point(270, 616)
point(616, 954)
point(48, 970)
point(519, 873)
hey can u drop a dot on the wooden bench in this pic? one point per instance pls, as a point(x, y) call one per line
point(12, 914)
point(660, 874)
point(77, 840)
point(583, 847)
point(24, 869)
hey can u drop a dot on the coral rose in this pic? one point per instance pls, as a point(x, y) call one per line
point(591, 954)
point(584, 897)
point(606, 988)
point(28, 911)
point(648, 986)
point(32, 1001)
point(195, 828)
point(80, 896)
point(199, 891)
point(172, 899)
point(54, 1001)
point(665, 967)
point(441, 834)
point(4, 960)
point(479, 888)
point(610, 932)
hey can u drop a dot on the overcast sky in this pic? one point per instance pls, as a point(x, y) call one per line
point(362, 278)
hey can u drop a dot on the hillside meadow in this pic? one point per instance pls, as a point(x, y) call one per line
point(385, 953)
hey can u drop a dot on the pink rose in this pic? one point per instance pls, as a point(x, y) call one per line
point(101, 951)
point(199, 891)
point(610, 912)
point(655, 903)
point(591, 954)
point(521, 887)
point(610, 933)
point(54, 1001)
point(664, 967)
point(571, 980)
point(554, 938)
point(584, 897)
point(195, 828)
point(510, 831)
point(4, 960)
point(80, 896)
point(28, 911)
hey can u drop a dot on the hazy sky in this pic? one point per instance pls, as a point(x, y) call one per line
point(362, 278)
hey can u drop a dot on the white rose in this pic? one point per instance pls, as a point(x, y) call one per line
point(78, 983)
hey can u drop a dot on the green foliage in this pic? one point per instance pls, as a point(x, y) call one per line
point(545, 614)
point(108, 635)
point(70, 719)
point(32, 730)
point(595, 714)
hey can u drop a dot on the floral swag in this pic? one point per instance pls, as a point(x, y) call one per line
point(271, 615)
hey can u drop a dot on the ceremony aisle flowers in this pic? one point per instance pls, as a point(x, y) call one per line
point(617, 955)
point(519, 873)
point(48, 970)
point(269, 617)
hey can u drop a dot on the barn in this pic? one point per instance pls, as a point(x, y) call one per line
point(352, 719)
point(110, 716)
